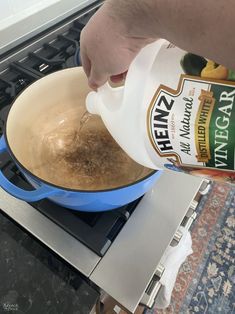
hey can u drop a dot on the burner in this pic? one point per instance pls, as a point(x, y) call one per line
point(77, 58)
point(3, 117)
point(10, 87)
point(96, 230)
point(70, 62)
point(74, 60)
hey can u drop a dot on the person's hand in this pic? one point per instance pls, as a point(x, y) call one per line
point(106, 49)
point(120, 28)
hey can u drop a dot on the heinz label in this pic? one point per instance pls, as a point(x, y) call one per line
point(193, 127)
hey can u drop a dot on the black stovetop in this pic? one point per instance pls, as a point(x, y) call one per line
point(95, 230)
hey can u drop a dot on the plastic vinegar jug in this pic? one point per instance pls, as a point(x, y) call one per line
point(176, 110)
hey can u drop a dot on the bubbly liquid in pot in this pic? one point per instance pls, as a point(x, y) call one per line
point(85, 157)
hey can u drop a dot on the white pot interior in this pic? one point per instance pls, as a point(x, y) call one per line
point(42, 132)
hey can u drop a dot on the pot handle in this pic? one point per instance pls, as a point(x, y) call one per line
point(28, 196)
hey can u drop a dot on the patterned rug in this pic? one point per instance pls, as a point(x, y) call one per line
point(206, 281)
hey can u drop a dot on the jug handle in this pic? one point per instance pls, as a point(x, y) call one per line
point(104, 94)
point(28, 196)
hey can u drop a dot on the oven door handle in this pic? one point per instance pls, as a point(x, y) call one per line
point(28, 196)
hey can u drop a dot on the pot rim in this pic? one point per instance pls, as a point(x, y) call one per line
point(43, 180)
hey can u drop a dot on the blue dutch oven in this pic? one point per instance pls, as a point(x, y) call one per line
point(55, 92)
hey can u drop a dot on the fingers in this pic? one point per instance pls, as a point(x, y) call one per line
point(97, 78)
point(118, 78)
point(86, 64)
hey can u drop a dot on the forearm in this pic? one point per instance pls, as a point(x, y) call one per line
point(203, 27)
point(140, 18)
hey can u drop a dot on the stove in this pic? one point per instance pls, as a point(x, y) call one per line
point(120, 251)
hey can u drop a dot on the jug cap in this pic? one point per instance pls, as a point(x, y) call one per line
point(93, 102)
